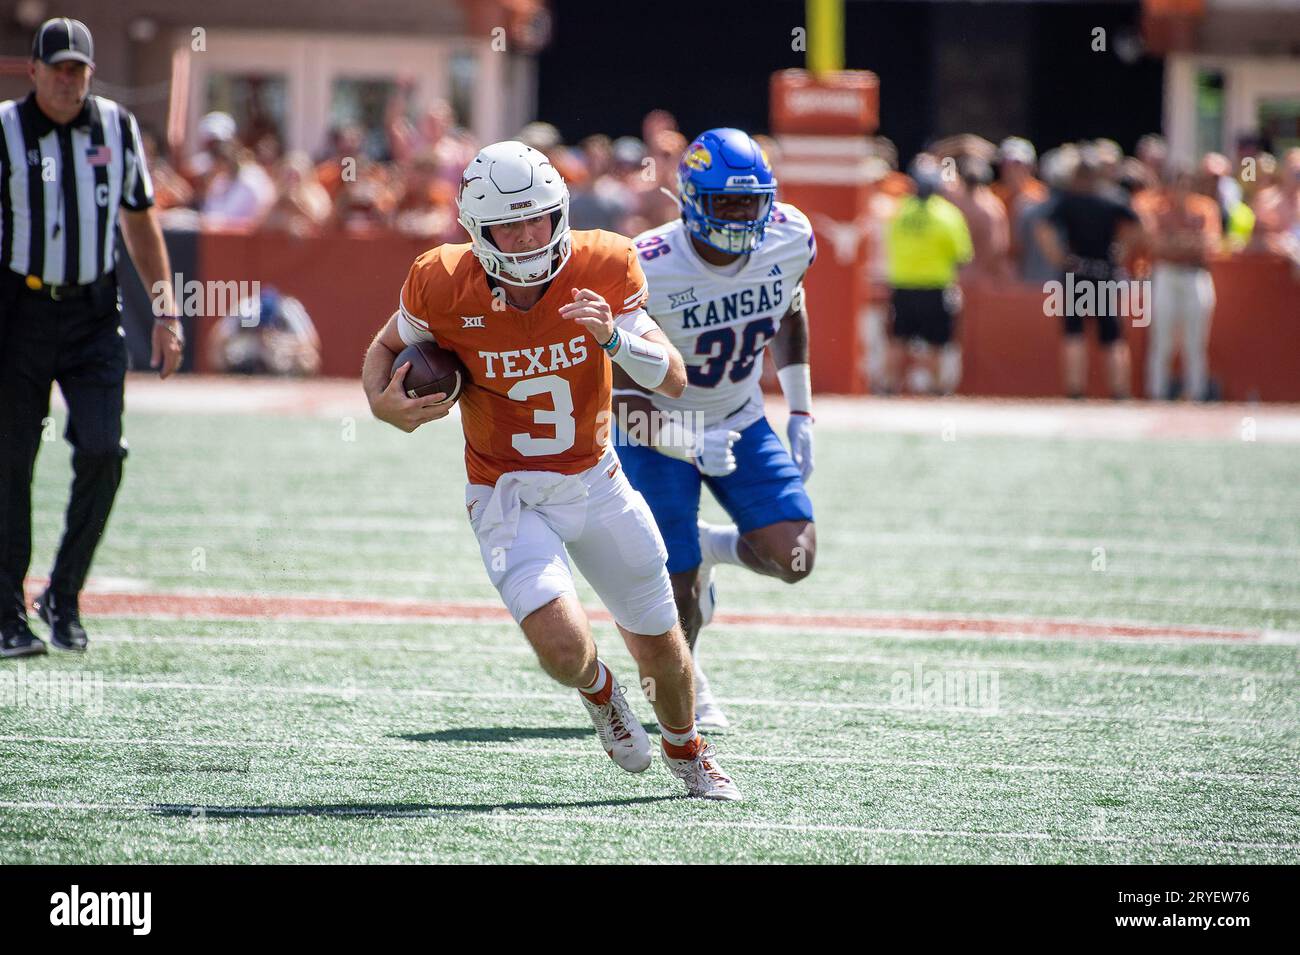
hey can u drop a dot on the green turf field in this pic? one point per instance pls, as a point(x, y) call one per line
point(345, 740)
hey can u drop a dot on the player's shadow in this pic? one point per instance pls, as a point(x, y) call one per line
point(500, 734)
point(396, 810)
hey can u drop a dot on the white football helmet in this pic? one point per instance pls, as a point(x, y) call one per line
point(508, 182)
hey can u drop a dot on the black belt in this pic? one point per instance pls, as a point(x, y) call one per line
point(33, 285)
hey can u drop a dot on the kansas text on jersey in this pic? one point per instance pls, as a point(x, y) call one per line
point(721, 318)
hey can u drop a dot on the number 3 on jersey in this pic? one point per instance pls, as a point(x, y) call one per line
point(559, 415)
point(719, 348)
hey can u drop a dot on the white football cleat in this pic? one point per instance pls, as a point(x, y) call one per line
point(621, 734)
point(702, 775)
point(708, 714)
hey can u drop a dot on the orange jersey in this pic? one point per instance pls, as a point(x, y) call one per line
point(539, 388)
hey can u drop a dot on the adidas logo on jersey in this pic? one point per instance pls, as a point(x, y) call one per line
point(776, 270)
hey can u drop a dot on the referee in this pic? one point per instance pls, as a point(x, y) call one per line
point(69, 164)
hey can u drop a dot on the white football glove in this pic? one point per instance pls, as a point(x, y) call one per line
point(716, 459)
point(800, 433)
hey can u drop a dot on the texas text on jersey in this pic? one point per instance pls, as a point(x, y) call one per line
point(538, 382)
point(720, 319)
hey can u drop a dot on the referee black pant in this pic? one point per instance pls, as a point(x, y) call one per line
point(77, 343)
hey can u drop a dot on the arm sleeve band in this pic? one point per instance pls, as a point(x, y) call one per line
point(638, 322)
point(796, 385)
point(410, 328)
point(645, 362)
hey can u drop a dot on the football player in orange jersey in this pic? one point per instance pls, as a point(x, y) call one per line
point(537, 312)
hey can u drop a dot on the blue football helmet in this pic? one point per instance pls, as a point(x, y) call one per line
point(725, 161)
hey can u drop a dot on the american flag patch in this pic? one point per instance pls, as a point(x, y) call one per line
point(99, 155)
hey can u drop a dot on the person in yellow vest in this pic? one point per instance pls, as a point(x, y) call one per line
point(926, 244)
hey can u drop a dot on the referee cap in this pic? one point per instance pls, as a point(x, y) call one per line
point(61, 39)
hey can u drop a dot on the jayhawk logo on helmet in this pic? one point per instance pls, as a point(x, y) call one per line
point(728, 162)
point(698, 157)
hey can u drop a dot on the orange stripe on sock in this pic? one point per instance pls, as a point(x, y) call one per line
point(601, 696)
point(682, 752)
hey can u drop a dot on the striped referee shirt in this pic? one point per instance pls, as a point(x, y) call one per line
point(61, 188)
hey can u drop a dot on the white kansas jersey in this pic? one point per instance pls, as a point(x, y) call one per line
point(721, 318)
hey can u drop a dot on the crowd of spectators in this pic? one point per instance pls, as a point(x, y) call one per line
point(1088, 211)
point(402, 181)
point(1257, 197)
point(402, 178)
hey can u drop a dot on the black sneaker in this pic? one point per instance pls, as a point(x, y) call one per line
point(60, 612)
point(17, 639)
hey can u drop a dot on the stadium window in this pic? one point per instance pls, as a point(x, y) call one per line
point(1279, 123)
point(362, 102)
point(461, 80)
point(1209, 111)
point(256, 101)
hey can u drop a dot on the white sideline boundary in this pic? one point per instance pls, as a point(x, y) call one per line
point(521, 651)
point(348, 693)
point(791, 759)
point(191, 811)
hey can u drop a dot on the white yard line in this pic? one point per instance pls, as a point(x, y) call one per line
point(519, 650)
point(190, 811)
point(1074, 571)
point(907, 541)
point(352, 692)
point(329, 745)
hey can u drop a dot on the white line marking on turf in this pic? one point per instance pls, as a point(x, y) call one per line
point(186, 811)
point(896, 542)
point(345, 693)
point(812, 625)
point(328, 745)
point(1080, 667)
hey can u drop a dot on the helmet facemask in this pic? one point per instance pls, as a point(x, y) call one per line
point(534, 267)
point(733, 236)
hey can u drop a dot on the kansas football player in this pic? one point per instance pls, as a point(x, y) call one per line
point(725, 283)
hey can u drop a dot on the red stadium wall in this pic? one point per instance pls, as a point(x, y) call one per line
point(349, 286)
point(1011, 349)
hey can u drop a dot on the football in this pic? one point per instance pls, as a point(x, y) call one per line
point(433, 370)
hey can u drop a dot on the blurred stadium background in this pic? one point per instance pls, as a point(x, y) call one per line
point(316, 147)
point(1108, 594)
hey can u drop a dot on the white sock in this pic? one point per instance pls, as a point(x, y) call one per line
point(678, 737)
point(719, 543)
point(598, 685)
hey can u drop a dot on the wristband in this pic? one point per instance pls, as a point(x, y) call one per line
point(796, 385)
point(611, 346)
